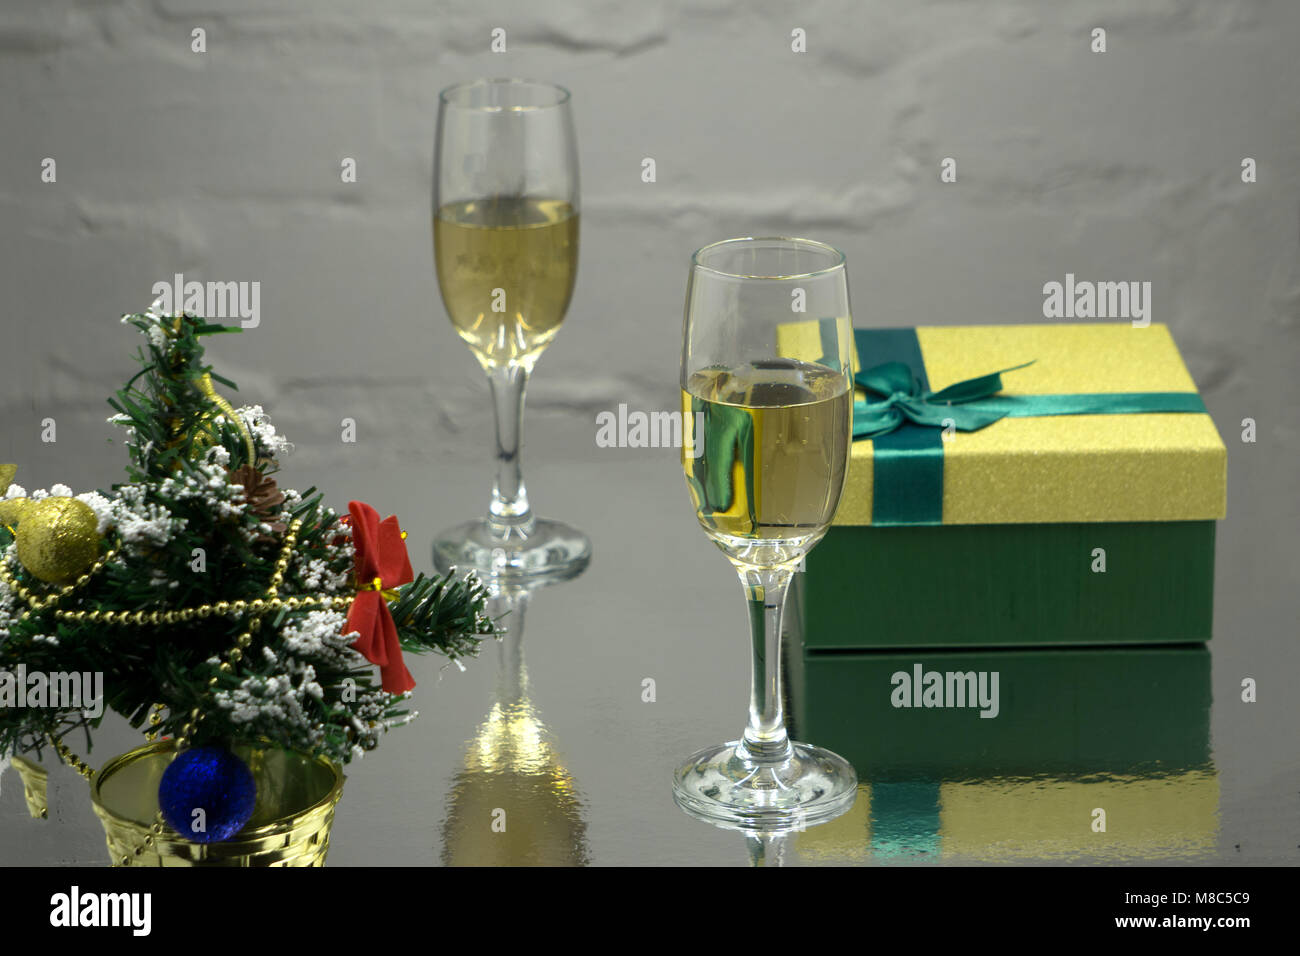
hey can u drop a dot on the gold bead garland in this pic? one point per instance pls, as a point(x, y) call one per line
point(72, 760)
point(232, 609)
point(270, 601)
point(155, 718)
point(258, 608)
point(39, 602)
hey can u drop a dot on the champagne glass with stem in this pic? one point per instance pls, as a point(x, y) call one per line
point(505, 239)
point(767, 403)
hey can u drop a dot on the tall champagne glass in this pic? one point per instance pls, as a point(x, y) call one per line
point(767, 402)
point(505, 239)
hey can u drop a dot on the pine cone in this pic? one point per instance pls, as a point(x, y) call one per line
point(261, 496)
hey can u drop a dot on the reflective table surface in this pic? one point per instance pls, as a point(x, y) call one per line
point(557, 745)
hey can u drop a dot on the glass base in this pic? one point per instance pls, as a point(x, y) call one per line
point(546, 551)
point(724, 788)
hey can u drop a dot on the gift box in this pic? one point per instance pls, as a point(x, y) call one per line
point(1069, 500)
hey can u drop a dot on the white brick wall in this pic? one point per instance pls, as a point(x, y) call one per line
point(225, 165)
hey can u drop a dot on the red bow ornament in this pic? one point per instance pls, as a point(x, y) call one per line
point(381, 565)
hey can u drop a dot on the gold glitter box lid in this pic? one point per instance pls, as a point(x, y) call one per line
point(1065, 468)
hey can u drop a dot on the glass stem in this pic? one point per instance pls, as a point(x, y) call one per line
point(765, 739)
point(512, 675)
point(509, 510)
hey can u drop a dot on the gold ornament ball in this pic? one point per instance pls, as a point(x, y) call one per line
point(12, 507)
point(58, 538)
point(11, 511)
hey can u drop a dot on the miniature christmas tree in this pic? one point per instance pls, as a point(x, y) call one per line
point(216, 605)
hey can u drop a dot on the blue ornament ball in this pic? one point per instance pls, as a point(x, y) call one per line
point(207, 794)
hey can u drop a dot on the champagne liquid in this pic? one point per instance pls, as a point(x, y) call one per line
point(773, 450)
point(525, 248)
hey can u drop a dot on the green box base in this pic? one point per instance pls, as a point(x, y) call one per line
point(955, 586)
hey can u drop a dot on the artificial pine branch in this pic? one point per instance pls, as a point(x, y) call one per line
point(187, 532)
point(445, 606)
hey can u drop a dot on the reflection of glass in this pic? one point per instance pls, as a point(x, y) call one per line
point(513, 803)
point(767, 849)
point(1124, 731)
point(505, 237)
point(767, 402)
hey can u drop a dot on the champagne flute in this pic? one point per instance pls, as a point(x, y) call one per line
point(767, 404)
point(505, 239)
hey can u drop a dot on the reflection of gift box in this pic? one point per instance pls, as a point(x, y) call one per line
point(1124, 730)
point(1084, 516)
point(906, 715)
point(1149, 819)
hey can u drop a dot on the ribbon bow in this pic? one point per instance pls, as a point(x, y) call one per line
point(901, 398)
point(382, 565)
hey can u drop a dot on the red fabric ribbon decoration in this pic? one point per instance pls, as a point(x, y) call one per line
point(381, 564)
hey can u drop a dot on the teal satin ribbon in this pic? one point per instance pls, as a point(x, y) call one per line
point(965, 405)
point(905, 420)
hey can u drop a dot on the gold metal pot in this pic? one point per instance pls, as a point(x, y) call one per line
point(290, 826)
